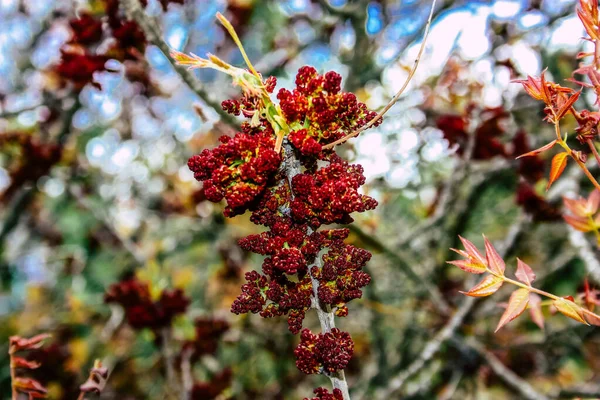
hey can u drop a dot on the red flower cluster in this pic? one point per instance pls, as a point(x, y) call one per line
point(238, 170)
point(341, 277)
point(293, 195)
point(325, 352)
point(80, 59)
point(141, 310)
point(330, 194)
point(319, 112)
point(323, 394)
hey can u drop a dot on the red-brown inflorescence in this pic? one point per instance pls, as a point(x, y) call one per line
point(141, 310)
point(294, 193)
point(319, 112)
point(323, 353)
point(323, 394)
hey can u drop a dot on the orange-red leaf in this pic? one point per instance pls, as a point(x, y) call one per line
point(570, 309)
point(469, 266)
point(489, 285)
point(472, 251)
point(579, 223)
point(538, 151)
point(524, 273)
point(18, 343)
point(516, 305)
point(495, 262)
point(567, 106)
point(19, 362)
point(535, 310)
point(29, 385)
point(559, 162)
point(591, 318)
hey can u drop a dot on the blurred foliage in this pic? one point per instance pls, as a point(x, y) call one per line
point(95, 189)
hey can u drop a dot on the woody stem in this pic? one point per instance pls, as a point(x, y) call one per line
point(13, 377)
point(581, 164)
point(594, 151)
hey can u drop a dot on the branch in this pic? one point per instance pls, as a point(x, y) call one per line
point(397, 96)
point(586, 253)
point(509, 377)
point(404, 265)
point(430, 349)
point(433, 346)
point(135, 12)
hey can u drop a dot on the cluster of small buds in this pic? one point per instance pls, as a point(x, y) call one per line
point(323, 394)
point(340, 278)
point(319, 112)
point(293, 202)
point(323, 353)
point(330, 194)
point(237, 170)
point(83, 55)
point(276, 297)
point(141, 310)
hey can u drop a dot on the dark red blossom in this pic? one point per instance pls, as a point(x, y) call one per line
point(324, 113)
point(86, 29)
point(141, 310)
point(80, 68)
point(330, 195)
point(325, 352)
point(535, 205)
point(238, 170)
point(487, 143)
point(323, 394)
point(341, 277)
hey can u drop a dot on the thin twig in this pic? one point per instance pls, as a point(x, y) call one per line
point(429, 351)
point(134, 11)
point(505, 374)
point(405, 266)
point(433, 346)
point(398, 94)
point(586, 253)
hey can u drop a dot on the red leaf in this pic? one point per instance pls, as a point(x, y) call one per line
point(469, 266)
point(579, 223)
point(568, 308)
point(489, 285)
point(567, 106)
point(472, 251)
point(28, 385)
point(18, 343)
point(19, 362)
point(524, 273)
point(559, 162)
point(591, 318)
point(535, 310)
point(538, 151)
point(516, 305)
point(495, 262)
point(593, 201)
